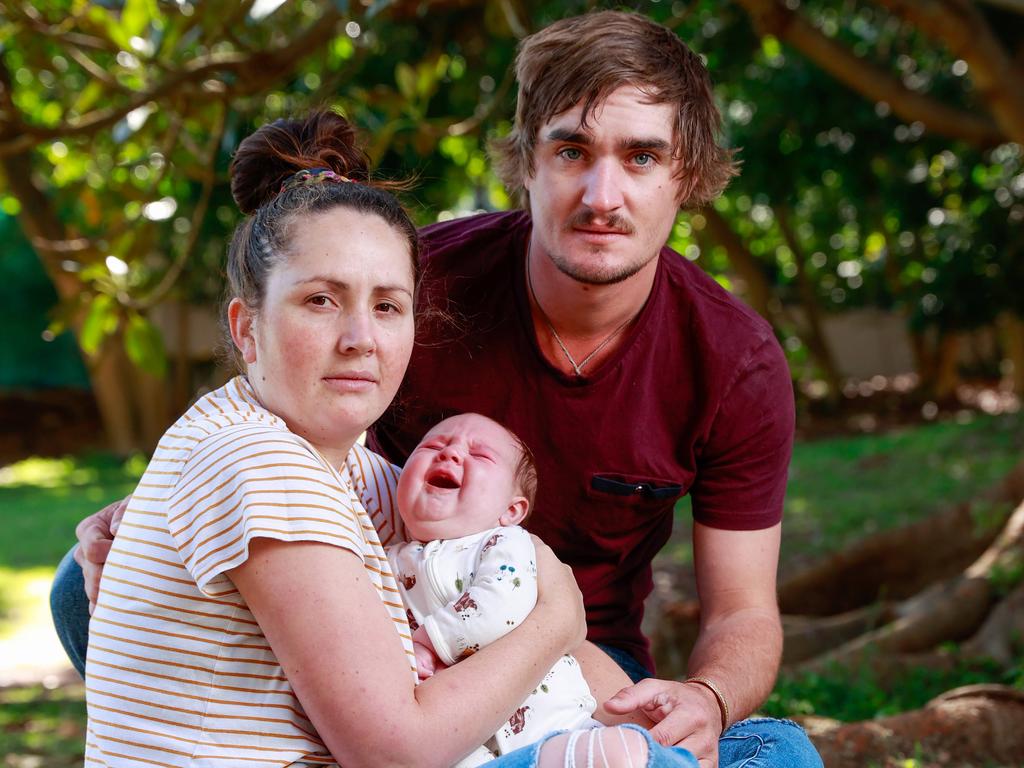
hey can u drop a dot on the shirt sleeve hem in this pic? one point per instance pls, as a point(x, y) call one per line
point(223, 566)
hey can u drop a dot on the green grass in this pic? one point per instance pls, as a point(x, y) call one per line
point(842, 489)
point(42, 500)
point(39, 727)
point(851, 695)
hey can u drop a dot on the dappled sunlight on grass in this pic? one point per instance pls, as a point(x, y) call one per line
point(21, 594)
point(29, 648)
point(842, 489)
point(40, 727)
point(54, 473)
point(42, 500)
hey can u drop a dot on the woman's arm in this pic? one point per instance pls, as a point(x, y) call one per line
point(606, 679)
point(340, 651)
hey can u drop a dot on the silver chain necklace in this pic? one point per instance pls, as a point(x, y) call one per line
point(576, 367)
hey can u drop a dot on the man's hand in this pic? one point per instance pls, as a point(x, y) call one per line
point(95, 537)
point(427, 660)
point(687, 715)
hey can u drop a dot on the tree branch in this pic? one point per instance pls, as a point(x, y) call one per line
point(870, 80)
point(1014, 6)
point(253, 69)
point(198, 213)
point(964, 31)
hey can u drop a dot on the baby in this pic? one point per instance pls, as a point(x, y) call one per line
point(468, 574)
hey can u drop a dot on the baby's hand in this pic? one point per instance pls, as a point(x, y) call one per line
point(427, 661)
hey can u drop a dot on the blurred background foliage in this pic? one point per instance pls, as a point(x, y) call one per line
point(881, 146)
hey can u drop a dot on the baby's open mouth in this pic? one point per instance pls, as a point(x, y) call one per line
point(442, 479)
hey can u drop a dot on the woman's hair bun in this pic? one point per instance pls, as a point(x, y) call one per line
point(279, 149)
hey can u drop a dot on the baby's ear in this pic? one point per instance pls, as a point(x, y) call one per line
point(516, 512)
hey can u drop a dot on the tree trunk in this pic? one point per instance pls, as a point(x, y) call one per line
point(947, 377)
point(107, 371)
point(1012, 327)
point(757, 290)
point(814, 336)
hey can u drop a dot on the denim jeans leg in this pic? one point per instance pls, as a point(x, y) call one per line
point(70, 609)
point(763, 742)
point(658, 756)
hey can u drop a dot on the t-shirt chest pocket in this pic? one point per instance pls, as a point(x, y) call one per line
point(624, 501)
point(634, 489)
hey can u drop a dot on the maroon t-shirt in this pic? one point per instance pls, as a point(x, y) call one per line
point(696, 399)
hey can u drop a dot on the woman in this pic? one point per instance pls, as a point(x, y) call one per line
point(248, 615)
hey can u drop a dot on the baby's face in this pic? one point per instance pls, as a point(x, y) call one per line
point(460, 480)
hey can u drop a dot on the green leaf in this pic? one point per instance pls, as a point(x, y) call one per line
point(136, 16)
point(105, 20)
point(100, 322)
point(145, 345)
point(406, 78)
point(88, 96)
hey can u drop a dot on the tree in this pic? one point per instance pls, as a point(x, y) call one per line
point(881, 163)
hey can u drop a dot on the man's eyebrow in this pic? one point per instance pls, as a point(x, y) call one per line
point(569, 135)
point(629, 144)
point(652, 144)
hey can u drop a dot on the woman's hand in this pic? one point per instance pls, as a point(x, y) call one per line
point(95, 537)
point(559, 600)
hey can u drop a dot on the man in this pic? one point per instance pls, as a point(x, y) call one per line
point(630, 373)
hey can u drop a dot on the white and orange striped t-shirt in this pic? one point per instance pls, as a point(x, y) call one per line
point(179, 673)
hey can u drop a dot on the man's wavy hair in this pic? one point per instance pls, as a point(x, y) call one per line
point(583, 59)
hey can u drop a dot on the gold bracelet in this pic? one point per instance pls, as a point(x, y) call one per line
point(723, 706)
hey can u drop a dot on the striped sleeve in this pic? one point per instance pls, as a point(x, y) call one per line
point(248, 481)
point(375, 481)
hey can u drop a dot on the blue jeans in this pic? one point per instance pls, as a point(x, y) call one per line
point(658, 756)
point(755, 743)
point(70, 610)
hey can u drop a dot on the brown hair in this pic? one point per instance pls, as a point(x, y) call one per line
point(581, 60)
point(525, 473)
point(269, 158)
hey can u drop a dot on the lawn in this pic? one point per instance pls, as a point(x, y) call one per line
point(840, 489)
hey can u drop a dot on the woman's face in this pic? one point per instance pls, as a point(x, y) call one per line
point(330, 345)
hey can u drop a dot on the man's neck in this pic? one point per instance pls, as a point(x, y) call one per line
point(582, 315)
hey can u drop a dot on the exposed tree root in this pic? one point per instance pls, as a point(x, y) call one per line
point(899, 563)
point(889, 637)
point(953, 610)
point(1001, 637)
point(807, 637)
point(970, 726)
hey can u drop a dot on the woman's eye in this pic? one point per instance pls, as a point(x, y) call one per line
point(387, 307)
point(319, 301)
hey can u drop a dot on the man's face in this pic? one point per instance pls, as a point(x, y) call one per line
point(460, 480)
point(602, 197)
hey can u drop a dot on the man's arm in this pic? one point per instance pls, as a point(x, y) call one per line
point(738, 648)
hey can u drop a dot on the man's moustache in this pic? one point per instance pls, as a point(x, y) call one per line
point(612, 221)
